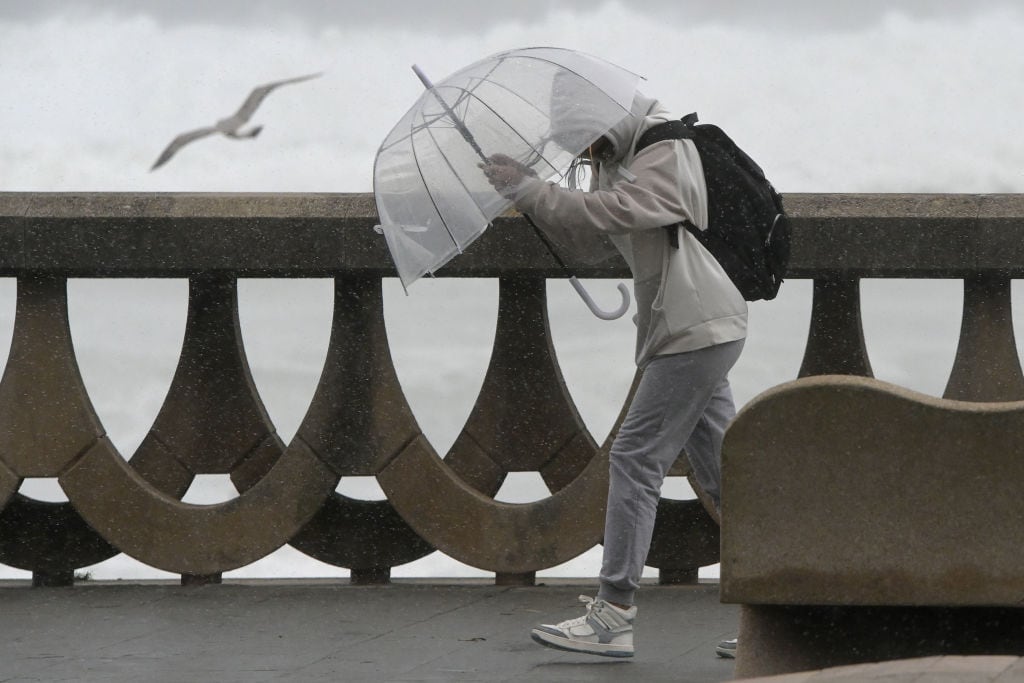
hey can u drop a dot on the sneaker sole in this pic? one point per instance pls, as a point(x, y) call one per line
point(725, 654)
point(566, 645)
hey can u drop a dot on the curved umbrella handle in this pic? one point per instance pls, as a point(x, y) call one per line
point(592, 305)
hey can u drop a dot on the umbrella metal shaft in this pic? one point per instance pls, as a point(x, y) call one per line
point(459, 125)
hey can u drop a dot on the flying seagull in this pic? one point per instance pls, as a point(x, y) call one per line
point(231, 125)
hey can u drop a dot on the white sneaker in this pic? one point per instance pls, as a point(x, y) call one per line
point(604, 630)
point(727, 648)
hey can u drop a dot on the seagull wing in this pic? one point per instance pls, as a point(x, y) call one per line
point(258, 94)
point(179, 142)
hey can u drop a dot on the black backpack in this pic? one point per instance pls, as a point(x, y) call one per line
point(748, 230)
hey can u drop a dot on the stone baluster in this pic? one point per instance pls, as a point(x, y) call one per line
point(987, 367)
point(46, 422)
point(523, 420)
point(357, 422)
point(835, 342)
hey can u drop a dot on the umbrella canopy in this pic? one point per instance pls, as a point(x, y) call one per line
point(431, 197)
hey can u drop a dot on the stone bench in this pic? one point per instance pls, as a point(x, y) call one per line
point(865, 522)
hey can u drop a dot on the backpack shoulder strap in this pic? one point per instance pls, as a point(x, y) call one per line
point(670, 130)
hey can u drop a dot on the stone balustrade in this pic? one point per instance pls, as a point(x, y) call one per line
point(358, 422)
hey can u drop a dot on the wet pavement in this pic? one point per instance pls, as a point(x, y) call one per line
point(305, 630)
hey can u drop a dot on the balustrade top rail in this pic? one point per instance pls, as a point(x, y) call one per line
point(322, 235)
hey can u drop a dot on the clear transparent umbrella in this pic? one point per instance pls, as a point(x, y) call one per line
point(432, 199)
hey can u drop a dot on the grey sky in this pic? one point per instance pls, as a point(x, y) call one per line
point(472, 15)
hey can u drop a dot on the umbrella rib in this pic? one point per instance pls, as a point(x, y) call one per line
point(576, 73)
point(471, 93)
point(485, 78)
point(428, 122)
point(540, 234)
point(430, 195)
point(553, 63)
point(459, 124)
point(467, 92)
point(506, 122)
point(455, 174)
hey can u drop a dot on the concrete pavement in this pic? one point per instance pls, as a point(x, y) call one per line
point(330, 631)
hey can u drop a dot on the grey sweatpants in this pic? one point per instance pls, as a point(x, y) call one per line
point(683, 400)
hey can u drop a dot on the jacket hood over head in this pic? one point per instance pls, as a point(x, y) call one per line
point(623, 136)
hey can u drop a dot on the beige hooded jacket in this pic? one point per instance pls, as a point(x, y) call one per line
point(685, 301)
